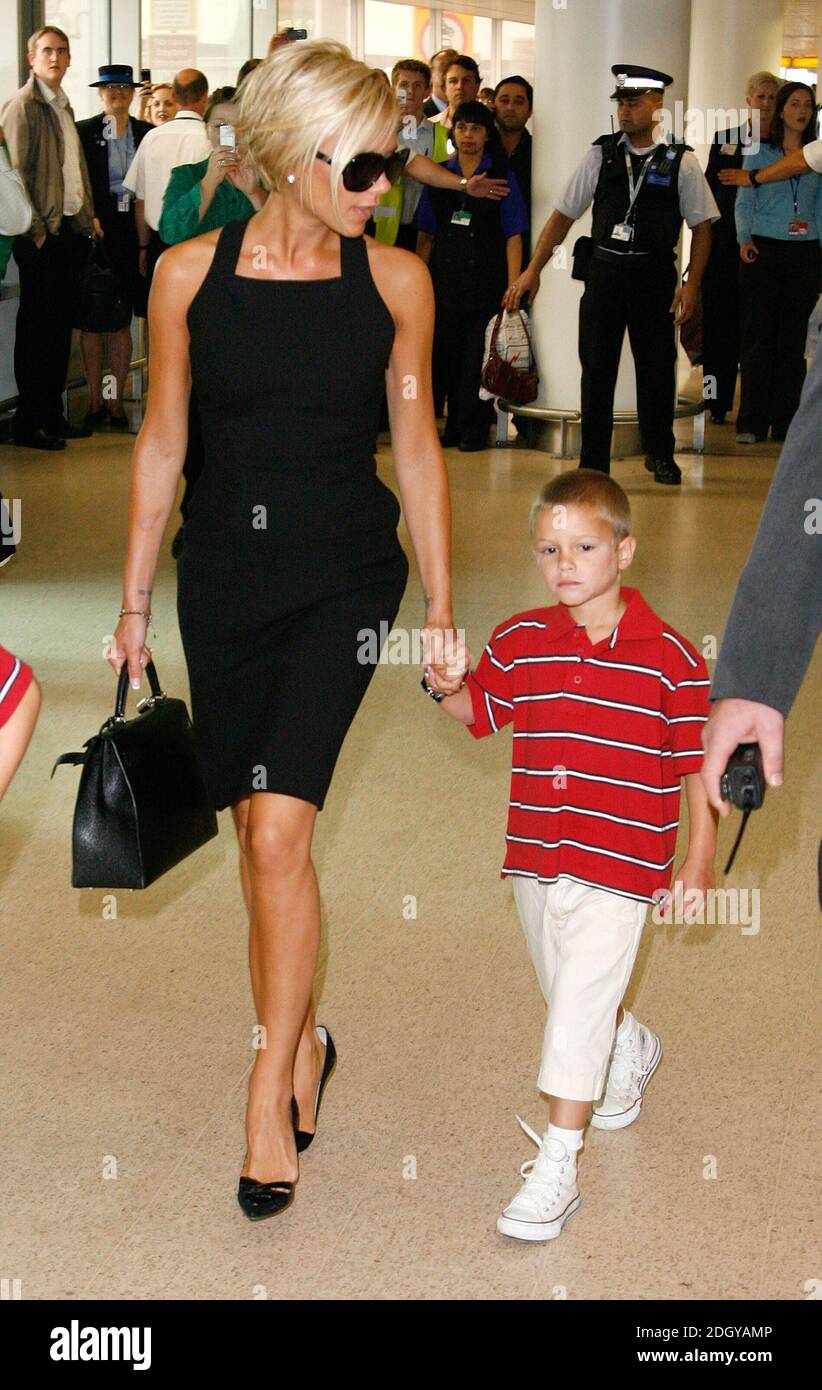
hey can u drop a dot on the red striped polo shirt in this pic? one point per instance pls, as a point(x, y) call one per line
point(602, 734)
point(15, 679)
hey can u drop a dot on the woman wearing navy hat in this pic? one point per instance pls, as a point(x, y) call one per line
point(109, 142)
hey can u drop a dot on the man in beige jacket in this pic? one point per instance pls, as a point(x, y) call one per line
point(38, 124)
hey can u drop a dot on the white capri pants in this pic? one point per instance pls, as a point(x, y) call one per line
point(583, 942)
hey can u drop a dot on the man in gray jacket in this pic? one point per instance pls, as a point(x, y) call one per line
point(777, 610)
point(38, 124)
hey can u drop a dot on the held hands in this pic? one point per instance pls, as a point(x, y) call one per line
point(446, 659)
point(480, 186)
point(526, 283)
point(684, 301)
point(736, 178)
point(748, 252)
point(129, 644)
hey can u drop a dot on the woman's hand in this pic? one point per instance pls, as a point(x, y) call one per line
point(480, 186)
point(748, 252)
point(129, 644)
point(526, 283)
point(221, 162)
point(737, 178)
point(242, 177)
point(447, 659)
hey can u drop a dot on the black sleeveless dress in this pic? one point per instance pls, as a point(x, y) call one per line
point(290, 553)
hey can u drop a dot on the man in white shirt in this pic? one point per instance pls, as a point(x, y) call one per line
point(181, 141)
point(44, 146)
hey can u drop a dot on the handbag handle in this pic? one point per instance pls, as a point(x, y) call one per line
point(493, 344)
point(157, 691)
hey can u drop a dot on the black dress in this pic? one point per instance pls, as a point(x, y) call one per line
point(290, 554)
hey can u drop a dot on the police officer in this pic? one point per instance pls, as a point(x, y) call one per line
point(641, 190)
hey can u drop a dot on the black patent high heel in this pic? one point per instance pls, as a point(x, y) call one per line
point(261, 1199)
point(302, 1136)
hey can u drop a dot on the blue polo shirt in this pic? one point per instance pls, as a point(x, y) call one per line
point(513, 213)
point(767, 211)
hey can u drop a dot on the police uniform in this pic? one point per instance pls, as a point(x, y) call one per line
point(640, 197)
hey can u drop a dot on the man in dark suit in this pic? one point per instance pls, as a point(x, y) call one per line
point(720, 285)
point(109, 143)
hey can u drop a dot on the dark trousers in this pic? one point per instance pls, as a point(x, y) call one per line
point(195, 458)
point(777, 292)
point(459, 348)
point(45, 313)
point(155, 249)
point(720, 329)
point(639, 299)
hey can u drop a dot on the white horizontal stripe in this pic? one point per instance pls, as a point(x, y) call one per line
point(490, 713)
point(595, 777)
point(599, 815)
point(586, 882)
point(677, 643)
point(15, 671)
point(689, 753)
point(592, 849)
point(530, 623)
point(607, 742)
point(681, 684)
point(689, 719)
point(592, 700)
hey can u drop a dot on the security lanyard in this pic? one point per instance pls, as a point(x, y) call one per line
point(794, 191)
point(634, 191)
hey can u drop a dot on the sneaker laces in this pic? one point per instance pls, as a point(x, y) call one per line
point(543, 1182)
point(626, 1068)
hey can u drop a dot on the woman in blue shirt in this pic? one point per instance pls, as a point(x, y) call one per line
point(778, 228)
point(474, 249)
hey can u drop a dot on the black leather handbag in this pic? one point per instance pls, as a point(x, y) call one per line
point(103, 302)
point(142, 804)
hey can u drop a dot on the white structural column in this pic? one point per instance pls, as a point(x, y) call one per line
point(730, 40)
point(575, 48)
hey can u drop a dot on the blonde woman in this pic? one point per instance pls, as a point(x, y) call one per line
point(290, 324)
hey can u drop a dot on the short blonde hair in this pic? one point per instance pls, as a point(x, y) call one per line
point(759, 78)
point(35, 38)
point(301, 95)
point(586, 487)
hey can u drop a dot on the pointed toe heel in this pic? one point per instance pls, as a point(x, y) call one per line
point(303, 1137)
point(261, 1199)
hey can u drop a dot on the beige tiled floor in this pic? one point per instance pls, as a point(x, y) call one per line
point(130, 1039)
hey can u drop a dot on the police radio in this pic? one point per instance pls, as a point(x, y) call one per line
point(743, 784)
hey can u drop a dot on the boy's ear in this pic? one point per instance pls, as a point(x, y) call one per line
point(625, 551)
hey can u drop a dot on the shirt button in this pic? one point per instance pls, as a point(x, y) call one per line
point(577, 680)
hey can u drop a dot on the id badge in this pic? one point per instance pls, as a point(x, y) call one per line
point(797, 228)
point(123, 202)
point(461, 217)
point(623, 231)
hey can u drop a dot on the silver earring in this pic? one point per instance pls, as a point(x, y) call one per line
point(291, 178)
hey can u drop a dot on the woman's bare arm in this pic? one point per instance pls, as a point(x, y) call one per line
point(161, 444)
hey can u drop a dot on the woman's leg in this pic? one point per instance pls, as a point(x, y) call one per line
point(15, 735)
point(799, 285)
point(92, 346)
point(759, 301)
point(281, 892)
point(119, 356)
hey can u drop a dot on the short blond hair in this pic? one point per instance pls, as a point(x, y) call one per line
point(759, 78)
point(34, 38)
point(303, 94)
point(586, 487)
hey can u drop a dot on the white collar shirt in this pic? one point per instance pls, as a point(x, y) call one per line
point(73, 190)
point(183, 140)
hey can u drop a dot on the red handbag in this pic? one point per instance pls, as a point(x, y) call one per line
point(519, 385)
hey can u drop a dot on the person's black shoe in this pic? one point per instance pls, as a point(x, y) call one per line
point(118, 422)
point(665, 471)
point(261, 1199)
point(93, 419)
point(472, 443)
point(39, 439)
point(649, 463)
point(64, 430)
point(718, 417)
point(449, 440)
point(302, 1136)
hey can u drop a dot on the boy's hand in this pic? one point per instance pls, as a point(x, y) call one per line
point(446, 658)
point(694, 876)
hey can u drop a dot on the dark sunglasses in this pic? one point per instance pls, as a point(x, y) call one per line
point(364, 169)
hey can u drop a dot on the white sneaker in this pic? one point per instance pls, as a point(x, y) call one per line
point(548, 1196)
point(633, 1063)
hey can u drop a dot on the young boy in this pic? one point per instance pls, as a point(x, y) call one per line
point(607, 704)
